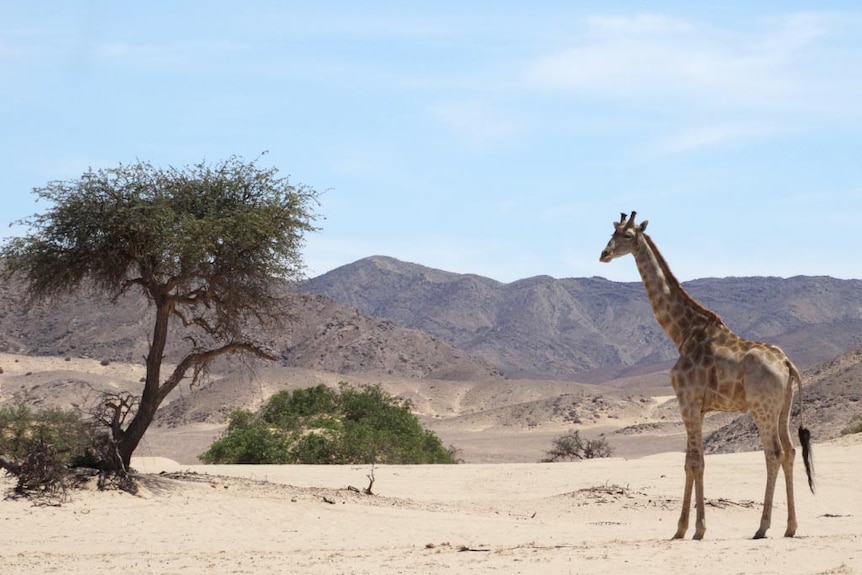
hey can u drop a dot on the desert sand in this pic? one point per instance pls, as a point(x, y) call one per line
point(500, 513)
point(599, 516)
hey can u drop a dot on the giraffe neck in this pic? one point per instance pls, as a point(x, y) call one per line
point(676, 311)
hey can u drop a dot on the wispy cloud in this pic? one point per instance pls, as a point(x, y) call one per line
point(479, 124)
point(698, 137)
point(658, 59)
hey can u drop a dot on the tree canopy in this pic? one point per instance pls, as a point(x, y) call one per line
point(209, 245)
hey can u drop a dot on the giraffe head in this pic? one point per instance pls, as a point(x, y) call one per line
point(624, 239)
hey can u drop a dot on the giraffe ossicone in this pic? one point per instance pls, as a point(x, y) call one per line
point(718, 370)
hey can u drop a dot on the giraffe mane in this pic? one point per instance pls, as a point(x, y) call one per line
point(674, 283)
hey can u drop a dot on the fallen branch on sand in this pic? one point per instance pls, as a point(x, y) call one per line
point(367, 490)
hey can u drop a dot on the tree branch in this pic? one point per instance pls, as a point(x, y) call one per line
point(199, 360)
point(113, 411)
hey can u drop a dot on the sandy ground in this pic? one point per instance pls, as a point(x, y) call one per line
point(599, 516)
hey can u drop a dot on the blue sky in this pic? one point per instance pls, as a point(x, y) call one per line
point(498, 138)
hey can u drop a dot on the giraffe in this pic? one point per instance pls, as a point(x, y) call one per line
point(717, 371)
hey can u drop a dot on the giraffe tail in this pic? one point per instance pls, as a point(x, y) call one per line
point(804, 433)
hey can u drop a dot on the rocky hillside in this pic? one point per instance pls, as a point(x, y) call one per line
point(333, 337)
point(324, 336)
point(543, 327)
point(387, 316)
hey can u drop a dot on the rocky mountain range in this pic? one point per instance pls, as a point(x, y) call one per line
point(387, 316)
point(591, 329)
point(469, 352)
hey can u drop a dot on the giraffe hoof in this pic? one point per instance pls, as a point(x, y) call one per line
point(790, 533)
point(761, 534)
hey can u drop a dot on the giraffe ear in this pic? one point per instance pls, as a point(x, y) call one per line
point(643, 225)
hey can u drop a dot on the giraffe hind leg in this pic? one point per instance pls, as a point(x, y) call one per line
point(789, 453)
point(775, 458)
point(787, 465)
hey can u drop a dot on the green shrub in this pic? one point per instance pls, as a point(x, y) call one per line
point(323, 425)
point(249, 439)
point(39, 447)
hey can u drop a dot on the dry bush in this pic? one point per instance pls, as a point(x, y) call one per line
point(571, 447)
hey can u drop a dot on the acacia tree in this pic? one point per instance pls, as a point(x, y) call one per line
point(210, 246)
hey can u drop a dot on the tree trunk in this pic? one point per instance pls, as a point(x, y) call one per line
point(131, 436)
point(151, 397)
point(155, 390)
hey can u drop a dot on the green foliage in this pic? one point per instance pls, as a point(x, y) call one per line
point(20, 427)
point(286, 409)
point(230, 228)
point(323, 425)
point(248, 440)
point(571, 447)
point(38, 448)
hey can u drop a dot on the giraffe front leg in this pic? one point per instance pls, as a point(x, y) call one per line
point(682, 524)
point(693, 476)
point(693, 482)
point(700, 517)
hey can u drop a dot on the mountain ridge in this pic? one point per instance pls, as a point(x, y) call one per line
point(543, 327)
point(459, 392)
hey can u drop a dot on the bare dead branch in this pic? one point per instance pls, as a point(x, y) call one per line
point(366, 490)
point(370, 477)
